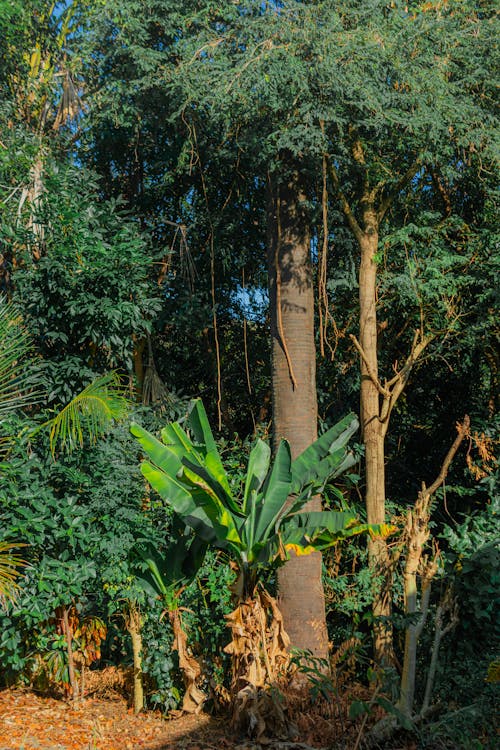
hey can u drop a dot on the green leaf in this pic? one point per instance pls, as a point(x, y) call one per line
point(174, 437)
point(200, 428)
point(88, 414)
point(209, 482)
point(16, 379)
point(258, 466)
point(160, 455)
point(323, 458)
point(275, 493)
point(170, 489)
point(219, 512)
point(319, 529)
point(358, 708)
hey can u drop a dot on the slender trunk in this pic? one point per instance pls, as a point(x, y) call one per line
point(134, 629)
point(447, 606)
point(291, 295)
point(417, 534)
point(139, 346)
point(373, 438)
point(377, 400)
point(35, 199)
point(412, 636)
point(69, 649)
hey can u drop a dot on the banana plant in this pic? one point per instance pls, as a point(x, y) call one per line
point(265, 522)
point(165, 575)
point(258, 527)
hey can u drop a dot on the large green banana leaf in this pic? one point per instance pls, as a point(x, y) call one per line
point(203, 510)
point(322, 459)
point(275, 492)
point(258, 466)
point(200, 428)
point(164, 573)
point(266, 523)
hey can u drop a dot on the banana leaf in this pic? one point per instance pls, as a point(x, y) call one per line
point(323, 456)
point(275, 492)
point(258, 466)
point(200, 428)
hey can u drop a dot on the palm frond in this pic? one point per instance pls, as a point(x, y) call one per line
point(89, 414)
point(154, 390)
point(16, 380)
point(10, 565)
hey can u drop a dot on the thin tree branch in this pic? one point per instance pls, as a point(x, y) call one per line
point(376, 382)
point(463, 430)
point(397, 384)
point(346, 208)
point(387, 202)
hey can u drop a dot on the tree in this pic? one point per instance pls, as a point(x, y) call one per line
point(291, 302)
point(384, 141)
point(260, 92)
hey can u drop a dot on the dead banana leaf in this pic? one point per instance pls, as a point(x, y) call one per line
point(194, 698)
point(260, 661)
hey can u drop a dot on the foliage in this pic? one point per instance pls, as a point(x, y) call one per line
point(99, 403)
point(472, 561)
point(15, 346)
point(88, 298)
point(257, 529)
point(166, 574)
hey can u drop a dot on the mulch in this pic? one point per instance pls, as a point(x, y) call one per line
point(31, 722)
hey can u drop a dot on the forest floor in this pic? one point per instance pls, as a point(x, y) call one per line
point(31, 722)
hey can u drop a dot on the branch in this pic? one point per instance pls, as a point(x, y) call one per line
point(396, 385)
point(463, 430)
point(387, 202)
point(346, 208)
point(416, 350)
point(209, 45)
point(376, 382)
point(442, 189)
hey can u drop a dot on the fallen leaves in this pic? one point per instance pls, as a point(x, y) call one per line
point(30, 722)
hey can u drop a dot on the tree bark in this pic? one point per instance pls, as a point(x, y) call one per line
point(291, 296)
point(68, 635)
point(374, 436)
point(134, 625)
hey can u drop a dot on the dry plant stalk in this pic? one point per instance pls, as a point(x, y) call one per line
point(260, 660)
point(133, 623)
point(416, 536)
point(194, 698)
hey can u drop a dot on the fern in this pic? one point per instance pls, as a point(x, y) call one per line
point(15, 378)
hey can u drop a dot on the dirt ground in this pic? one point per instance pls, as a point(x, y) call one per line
point(29, 722)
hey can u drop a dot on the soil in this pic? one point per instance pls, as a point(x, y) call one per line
point(31, 722)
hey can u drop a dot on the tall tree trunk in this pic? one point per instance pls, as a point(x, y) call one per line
point(377, 399)
point(291, 294)
point(134, 627)
point(374, 435)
